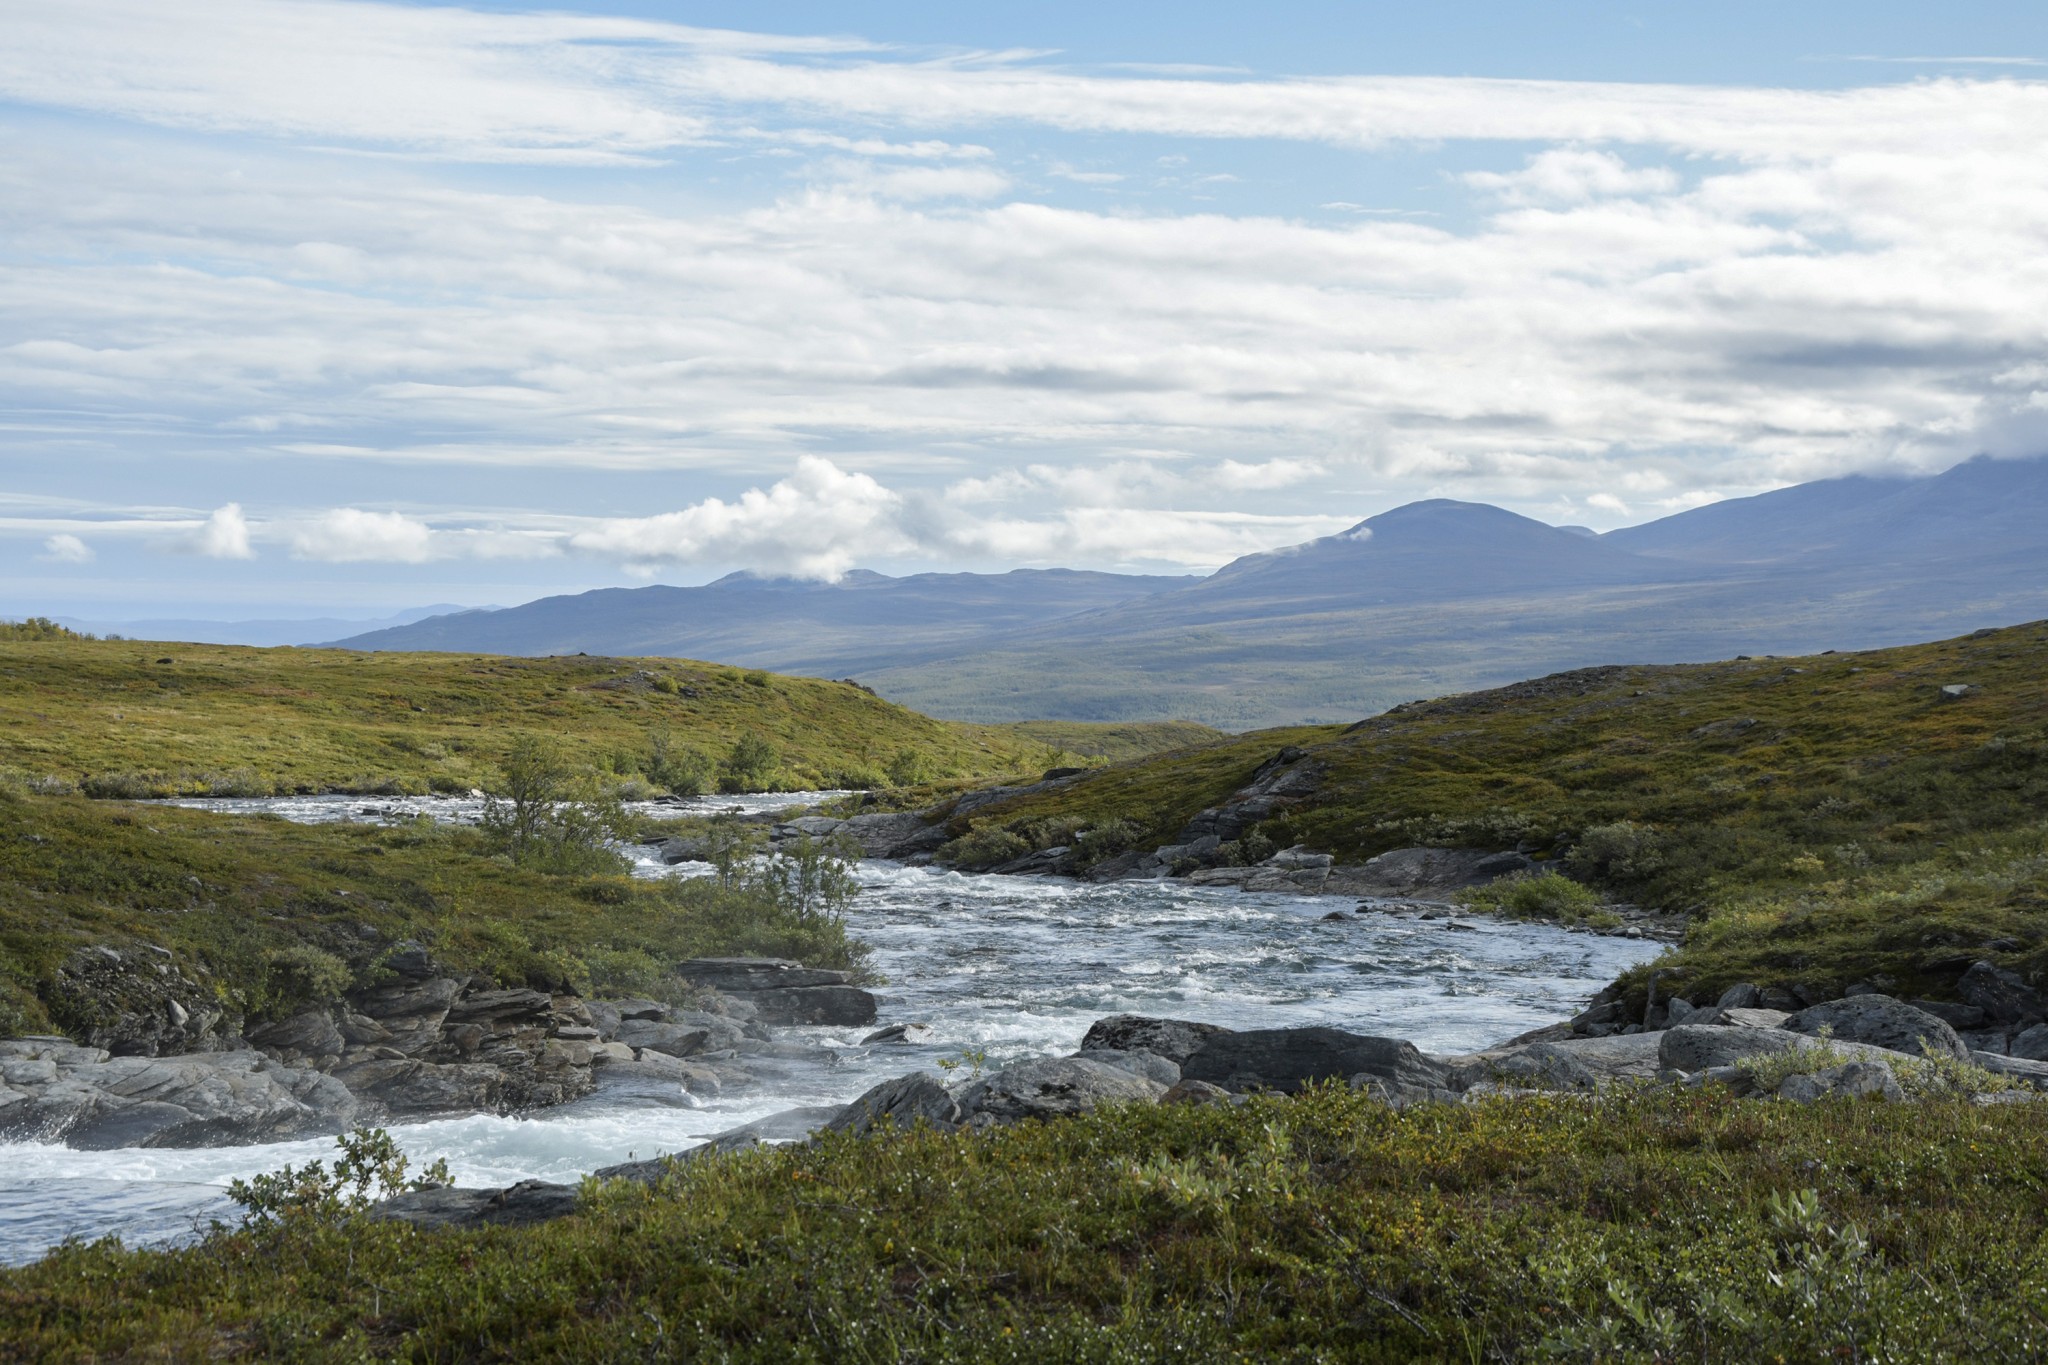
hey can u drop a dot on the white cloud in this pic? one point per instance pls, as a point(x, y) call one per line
point(817, 523)
point(66, 549)
point(223, 535)
point(348, 535)
point(1567, 175)
point(1280, 473)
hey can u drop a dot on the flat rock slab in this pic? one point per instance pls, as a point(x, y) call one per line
point(530, 1201)
point(744, 974)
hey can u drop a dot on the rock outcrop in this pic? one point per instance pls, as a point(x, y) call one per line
point(52, 1089)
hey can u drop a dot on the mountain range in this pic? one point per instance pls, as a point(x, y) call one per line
point(1427, 598)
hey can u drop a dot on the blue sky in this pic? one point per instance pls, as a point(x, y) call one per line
point(316, 307)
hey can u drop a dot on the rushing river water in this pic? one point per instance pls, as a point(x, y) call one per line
point(1005, 967)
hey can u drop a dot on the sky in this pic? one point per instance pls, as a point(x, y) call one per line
point(323, 307)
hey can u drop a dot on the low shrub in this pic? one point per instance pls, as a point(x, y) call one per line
point(1539, 895)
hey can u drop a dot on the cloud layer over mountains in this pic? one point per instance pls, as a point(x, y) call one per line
point(398, 285)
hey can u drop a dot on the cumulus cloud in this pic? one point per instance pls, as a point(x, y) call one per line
point(1568, 175)
point(65, 548)
point(223, 535)
point(817, 523)
point(1279, 473)
point(348, 535)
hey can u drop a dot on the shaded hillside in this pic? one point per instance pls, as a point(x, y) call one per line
point(1828, 817)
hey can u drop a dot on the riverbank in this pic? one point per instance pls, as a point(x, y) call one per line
point(1618, 1222)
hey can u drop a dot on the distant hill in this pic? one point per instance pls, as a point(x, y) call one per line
point(1433, 597)
point(865, 620)
point(273, 631)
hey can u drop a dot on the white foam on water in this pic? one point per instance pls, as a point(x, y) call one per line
point(1000, 968)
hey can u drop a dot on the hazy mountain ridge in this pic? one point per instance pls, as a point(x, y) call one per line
point(1426, 598)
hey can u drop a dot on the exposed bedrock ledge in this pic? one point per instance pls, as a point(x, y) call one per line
point(425, 1043)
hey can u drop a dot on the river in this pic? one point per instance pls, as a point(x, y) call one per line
point(1000, 968)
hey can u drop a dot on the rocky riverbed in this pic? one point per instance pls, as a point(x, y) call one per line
point(1866, 1047)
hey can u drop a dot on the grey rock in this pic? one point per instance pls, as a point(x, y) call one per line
point(1851, 1080)
point(806, 826)
point(311, 1035)
point(840, 1006)
point(605, 1017)
point(529, 1201)
point(2001, 994)
point(1427, 873)
point(1617, 1057)
point(674, 1040)
point(900, 1103)
point(89, 1099)
point(1751, 1018)
point(2031, 1044)
point(1150, 1065)
point(1173, 1039)
point(894, 837)
point(900, 1033)
point(1289, 1058)
point(1957, 1015)
point(1051, 1088)
point(1882, 1022)
point(1740, 996)
point(1538, 1066)
point(1281, 781)
point(1194, 1092)
point(2021, 1069)
point(1700, 1047)
point(643, 1009)
point(1779, 998)
point(748, 974)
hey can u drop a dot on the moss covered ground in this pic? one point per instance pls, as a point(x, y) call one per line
point(273, 915)
point(1824, 819)
point(1662, 1225)
point(122, 718)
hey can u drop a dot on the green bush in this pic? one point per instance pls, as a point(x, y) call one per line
point(751, 765)
point(1539, 895)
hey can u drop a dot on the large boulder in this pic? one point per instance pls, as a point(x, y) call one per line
point(1051, 1088)
point(1698, 1047)
point(529, 1201)
point(894, 836)
point(900, 1103)
point(1286, 1059)
point(2019, 1069)
point(1173, 1039)
point(1882, 1022)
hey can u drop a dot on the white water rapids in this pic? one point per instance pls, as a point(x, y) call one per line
point(1008, 967)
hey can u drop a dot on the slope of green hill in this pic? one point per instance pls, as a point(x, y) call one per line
point(1835, 817)
point(127, 719)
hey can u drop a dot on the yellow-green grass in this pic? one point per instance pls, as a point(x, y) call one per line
point(135, 719)
point(1665, 1225)
point(1825, 819)
point(273, 915)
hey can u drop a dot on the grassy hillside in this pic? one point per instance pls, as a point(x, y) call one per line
point(125, 718)
point(271, 915)
point(1833, 817)
point(1666, 1225)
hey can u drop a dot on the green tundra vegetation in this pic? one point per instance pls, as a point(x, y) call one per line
point(121, 718)
point(1879, 817)
point(1657, 1224)
point(275, 916)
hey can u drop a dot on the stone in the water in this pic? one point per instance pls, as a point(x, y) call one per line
point(900, 1033)
point(1173, 1039)
point(900, 1103)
